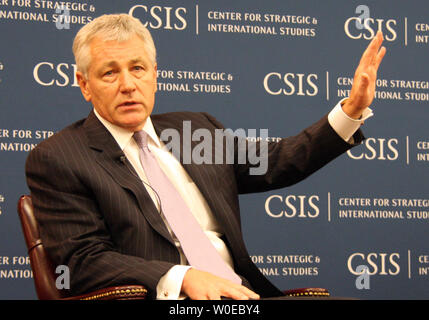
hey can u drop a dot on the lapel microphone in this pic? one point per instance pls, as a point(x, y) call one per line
point(123, 159)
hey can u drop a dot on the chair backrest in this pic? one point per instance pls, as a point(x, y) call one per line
point(43, 269)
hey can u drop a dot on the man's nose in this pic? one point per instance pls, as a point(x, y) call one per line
point(126, 82)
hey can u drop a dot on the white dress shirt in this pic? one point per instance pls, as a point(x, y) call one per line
point(169, 286)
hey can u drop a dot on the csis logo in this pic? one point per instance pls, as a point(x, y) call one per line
point(157, 17)
point(60, 75)
point(291, 206)
point(370, 28)
point(300, 84)
point(376, 149)
point(378, 263)
point(366, 27)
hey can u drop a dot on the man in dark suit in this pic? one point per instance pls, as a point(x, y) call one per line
point(98, 213)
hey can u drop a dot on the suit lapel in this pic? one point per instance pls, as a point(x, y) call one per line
point(108, 155)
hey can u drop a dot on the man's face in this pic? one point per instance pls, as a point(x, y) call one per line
point(121, 82)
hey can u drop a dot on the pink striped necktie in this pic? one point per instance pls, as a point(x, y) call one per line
point(198, 249)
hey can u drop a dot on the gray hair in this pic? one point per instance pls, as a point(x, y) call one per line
point(116, 27)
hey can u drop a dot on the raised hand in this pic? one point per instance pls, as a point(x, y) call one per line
point(363, 89)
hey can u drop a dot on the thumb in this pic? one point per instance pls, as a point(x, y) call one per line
point(363, 82)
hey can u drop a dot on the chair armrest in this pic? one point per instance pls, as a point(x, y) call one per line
point(126, 292)
point(307, 292)
point(134, 292)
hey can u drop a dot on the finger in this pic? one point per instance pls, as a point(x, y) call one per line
point(214, 297)
point(239, 293)
point(373, 48)
point(378, 42)
point(359, 89)
point(380, 57)
point(363, 82)
point(235, 294)
point(249, 293)
point(213, 294)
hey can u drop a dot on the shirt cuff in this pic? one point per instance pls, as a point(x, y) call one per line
point(170, 285)
point(345, 126)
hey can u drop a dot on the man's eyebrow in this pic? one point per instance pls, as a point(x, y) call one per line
point(109, 64)
point(113, 63)
point(137, 60)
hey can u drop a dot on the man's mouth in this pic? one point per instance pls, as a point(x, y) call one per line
point(128, 103)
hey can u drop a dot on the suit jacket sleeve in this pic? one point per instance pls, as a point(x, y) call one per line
point(292, 159)
point(74, 231)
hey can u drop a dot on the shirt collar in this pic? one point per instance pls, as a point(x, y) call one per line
point(123, 136)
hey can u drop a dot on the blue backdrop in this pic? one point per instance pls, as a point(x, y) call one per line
point(276, 65)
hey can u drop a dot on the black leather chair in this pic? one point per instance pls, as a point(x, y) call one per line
point(45, 277)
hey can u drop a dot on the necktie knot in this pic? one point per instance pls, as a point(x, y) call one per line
point(141, 138)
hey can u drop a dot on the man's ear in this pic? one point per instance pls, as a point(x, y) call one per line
point(84, 85)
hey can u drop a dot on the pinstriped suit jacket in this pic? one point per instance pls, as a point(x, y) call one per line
point(97, 218)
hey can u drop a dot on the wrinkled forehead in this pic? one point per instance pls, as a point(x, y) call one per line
point(132, 50)
point(129, 40)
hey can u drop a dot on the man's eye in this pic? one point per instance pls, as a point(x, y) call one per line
point(138, 68)
point(108, 73)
